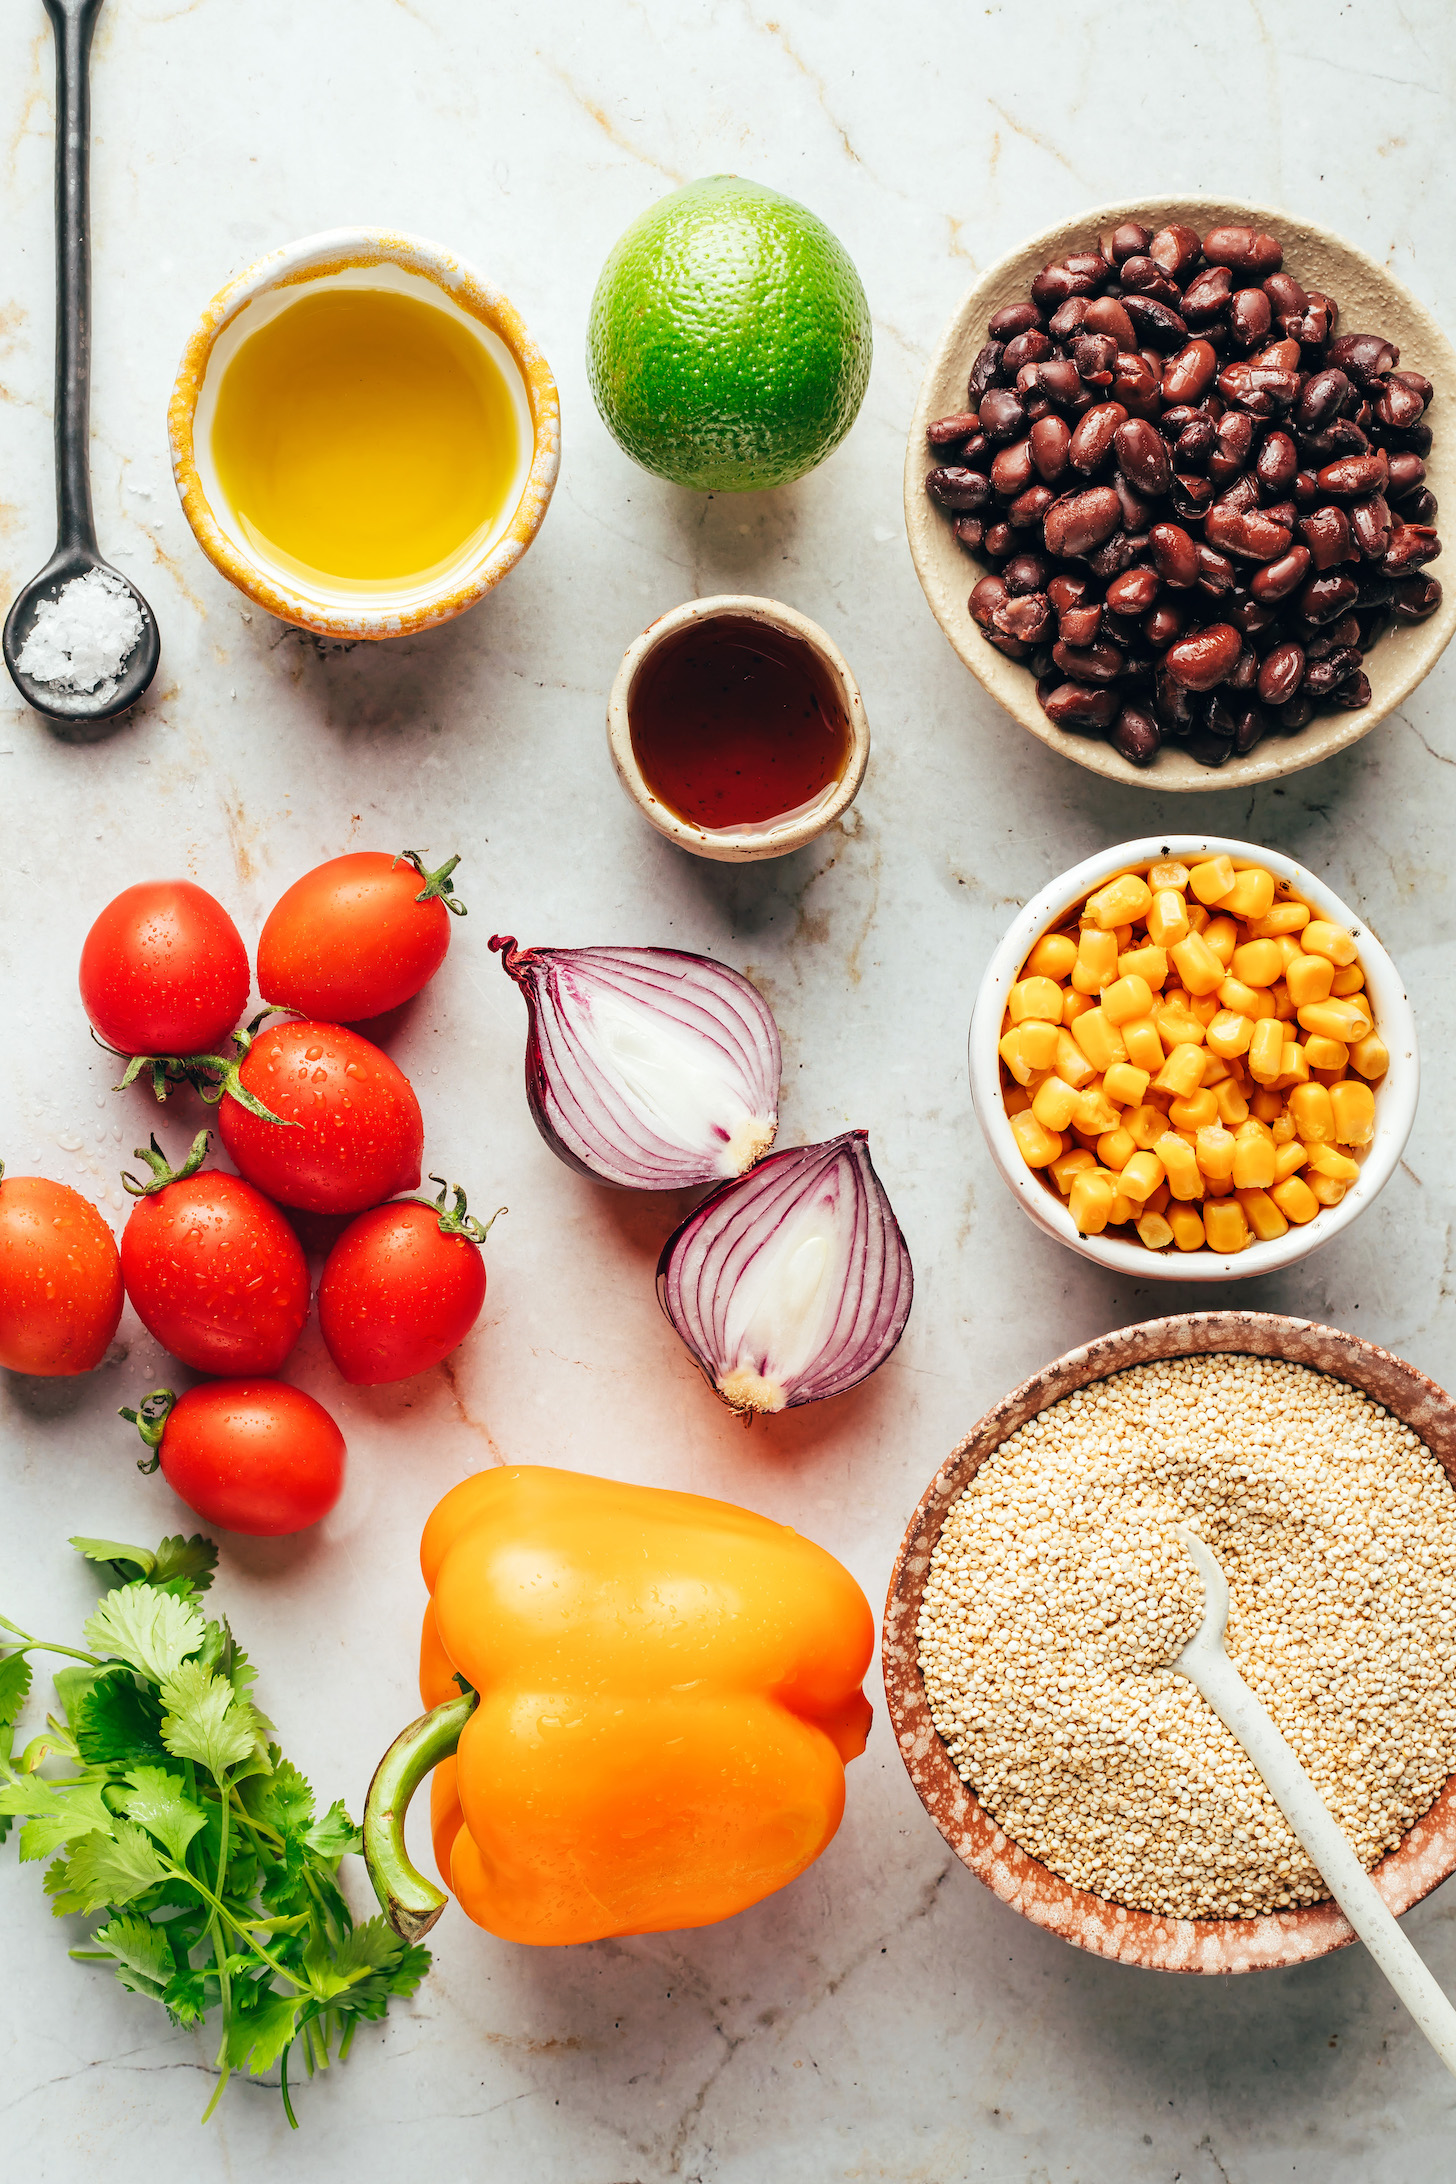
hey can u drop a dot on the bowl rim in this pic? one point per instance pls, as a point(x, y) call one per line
point(1008, 681)
point(1396, 1096)
point(312, 257)
point(731, 846)
point(1421, 1861)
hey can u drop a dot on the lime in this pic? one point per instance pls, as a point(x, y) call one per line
point(729, 345)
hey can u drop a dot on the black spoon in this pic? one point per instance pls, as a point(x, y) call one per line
point(76, 549)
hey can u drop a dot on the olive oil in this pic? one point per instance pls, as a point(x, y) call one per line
point(365, 438)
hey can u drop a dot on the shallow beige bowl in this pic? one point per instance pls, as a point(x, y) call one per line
point(363, 257)
point(1427, 1855)
point(770, 837)
point(1370, 301)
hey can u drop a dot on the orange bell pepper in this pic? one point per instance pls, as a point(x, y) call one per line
point(653, 1696)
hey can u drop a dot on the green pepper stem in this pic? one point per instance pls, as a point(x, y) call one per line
point(410, 1902)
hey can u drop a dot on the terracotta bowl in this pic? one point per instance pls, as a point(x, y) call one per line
point(1425, 1858)
point(1370, 301)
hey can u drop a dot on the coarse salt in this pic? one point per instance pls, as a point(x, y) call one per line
point(83, 638)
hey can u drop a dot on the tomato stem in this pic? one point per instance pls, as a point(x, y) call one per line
point(438, 887)
point(163, 1172)
point(150, 1419)
point(454, 1220)
point(213, 1077)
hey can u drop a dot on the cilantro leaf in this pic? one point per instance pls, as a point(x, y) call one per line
point(335, 1834)
point(177, 1563)
point(367, 1960)
point(284, 1801)
point(194, 1559)
point(55, 1813)
point(114, 1554)
point(160, 1803)
point(205, 1719)
point(144, 1958)
point(15, 1678)
point(153, 1632)
point(111, 1869)
point(185, 1998)
point(261, 2028)
point(116, 1723)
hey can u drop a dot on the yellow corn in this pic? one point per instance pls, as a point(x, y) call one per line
point(1096, 964)
point(1321, 938)
point(1122, 1210)
point(1154, 1231)
point(1243, 1000)
point(1054, 1104)
point(1141, 1175)
point(1284, 917)
point(1070, 1165)
point(1309, 978)
point(1232, 1106)
point(1145, 1125)
point(1254, 1164)
point(1038, 997)
point(1147, 962)
point(1127, 998)
point(1222, 936)
point(1196, 964)
point(1215, 1068)
point(1095, 1112)
point(1353, 1106)
point(1011, 1049)
point(1289, 1159)
point(1120, 901)
point(1267, 1104)
point(1074, 1003)
point(1070, 1063)
point(1098, 1039)
point(1198, 917)
point(1176, 1024)
point(1327, 1190)
point(1252, 894)
point(1179, 1165)
point(1017, 1099)
point(1158, 1201)
point(1167, 873)
point(1295, 1200)
point(1187, 1227)
point(1199, 1111)
point(1217, 1186)
point(1126, 1084)
point(1052, 957)
point(1326, 1053)
point(1343, 1020)
point(1115, 1149)
point(1224, 1225)
point(1168, 917)
point(1266, 1050)
point(1284, 1002)
point(1214, 1150)
point(1258, 962)
point(1090, 1201)
point(1370, 1055)
point(1282, 1129)
point(1325, 1160)
point(1314, 1115)
point(1037, 1146)
point(1144, 1047)
point(1347, 981)
point(1296, 1067)
point(1211, 881)
point(1182, 1072)
point(1263, 1216)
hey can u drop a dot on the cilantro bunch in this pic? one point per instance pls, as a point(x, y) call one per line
point(175, 1816)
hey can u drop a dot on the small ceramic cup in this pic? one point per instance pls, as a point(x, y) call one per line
point(768, 837)
point(362, 258)
point(1395, 1093)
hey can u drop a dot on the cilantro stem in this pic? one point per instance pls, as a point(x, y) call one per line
point(180, 1873)
point(283, 2088)
point(48, 1645)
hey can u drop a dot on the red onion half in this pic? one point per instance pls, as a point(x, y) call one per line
point(647, 1067)
point(792, 1283)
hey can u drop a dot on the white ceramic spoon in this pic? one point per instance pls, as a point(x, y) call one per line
point(1205, 1663)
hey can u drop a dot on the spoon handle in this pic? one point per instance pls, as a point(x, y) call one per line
point(1328, 1848)
point(73, 22)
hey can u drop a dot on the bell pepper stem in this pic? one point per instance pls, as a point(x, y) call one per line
point(410, 1902)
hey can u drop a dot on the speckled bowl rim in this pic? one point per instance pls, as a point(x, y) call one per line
point(336, 251)
point(1396, 1093)
point(1425, 1858)
point(724, 845)
point(1403, 656)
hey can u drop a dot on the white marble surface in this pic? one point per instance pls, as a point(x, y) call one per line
point(885, 2018)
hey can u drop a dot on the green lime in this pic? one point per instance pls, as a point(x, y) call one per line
point(729, 345)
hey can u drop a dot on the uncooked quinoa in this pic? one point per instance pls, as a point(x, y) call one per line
point(1057, 1594)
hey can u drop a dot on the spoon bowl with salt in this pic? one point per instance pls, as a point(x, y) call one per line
point(80, 641)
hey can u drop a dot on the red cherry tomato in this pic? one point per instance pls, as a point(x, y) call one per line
point(249, 1455)
point(359, 1134)
point(357, 936)
point(213, 1270)
point(402, 1288)
point(164, 970)
point(60, 1278)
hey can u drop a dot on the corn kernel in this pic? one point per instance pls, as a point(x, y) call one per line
point(1037, 1146)
point(1232, 1106)
point(1295, 1200)
point(1071, 1064)
point(1054, 1104)
point(1039, 1042)
point(1012, 1052)
point(1176, 1025)
point(1182, 1072)
point(1321, 938)
point(1214, 1150)
point(1075, 1004)
point(1122, 1210)
point(1167, 918)
point(1095, 1112)
point(1284, 917)
point(1267, 1104)
point(1343, 1020)
point(1144, 1047)
point(1199, 968)
point(1199, 1111)
point(1123, 937)
point(1263, 1216)
point(1252, 894)
point(1071, 1164)
point(1264, 1003)
point(1145, 1125)
point(1222, 936)
point(1314, 1115)
point(1154, 1231)
point(1038, 997)
point(1159, 1200)
point(1230, 1034)
point(1198, 917)
point(1179, 1165)
point(1115, 1149)
point(1254, 1163)
point(1187, 1227)
point(1347, 981)
point(1120, 902)
point(1215, 1068)
point(1140, 1175)
point(1326, 1053)
point(1296, 1068)
point(1289, 1159)
point(1218, 1186)
point(1327, 1190)
point(1148, 963)
point(1090, 1201)
point(1282, 1129)
point(1127, 998)
point(1052, 957)
point(1353, 1106)
point(1167, 873)
point(1370, 1055)
point(1284, 1002)
point(1224, 1226)
point(1096, 964)
point(1211, 881)
point(1309, 978)
point(1266, 1050)
point(1325, 1160)
point(1017, 1098)
point(1258, 962)
point(1126, 1084)
point(1098, 1038)
point(1243, 1000)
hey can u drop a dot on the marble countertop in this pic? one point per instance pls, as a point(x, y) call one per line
point(885, 2018)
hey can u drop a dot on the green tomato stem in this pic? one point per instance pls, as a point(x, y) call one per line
point(410, 1902)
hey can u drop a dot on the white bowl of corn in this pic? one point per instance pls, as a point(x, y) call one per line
point(1192, 1061)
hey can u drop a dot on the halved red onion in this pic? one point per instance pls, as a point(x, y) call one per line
point(648, 1067)
point(792, 1283)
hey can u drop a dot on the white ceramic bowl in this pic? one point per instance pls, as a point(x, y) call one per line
point(368, 258)
point(1395, 1093)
